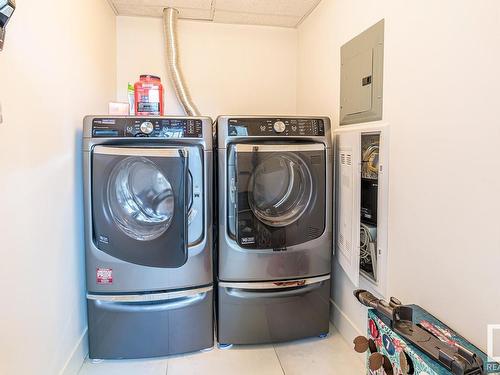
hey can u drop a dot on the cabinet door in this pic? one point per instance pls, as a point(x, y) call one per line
point(348, 200)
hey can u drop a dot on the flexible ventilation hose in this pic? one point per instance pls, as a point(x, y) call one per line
point(173, 67)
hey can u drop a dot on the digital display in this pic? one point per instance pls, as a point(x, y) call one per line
point(238, 130)
point(170, 132)
point(105, 132)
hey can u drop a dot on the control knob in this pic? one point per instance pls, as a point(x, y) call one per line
point(147, 127)
point(279, 126)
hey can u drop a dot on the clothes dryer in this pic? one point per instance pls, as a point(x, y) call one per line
point(275, 228)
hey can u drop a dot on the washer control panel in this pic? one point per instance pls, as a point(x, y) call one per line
point(146, 127)
point(268, 127)
point(279, 126)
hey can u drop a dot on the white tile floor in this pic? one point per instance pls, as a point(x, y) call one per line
point(331, 355)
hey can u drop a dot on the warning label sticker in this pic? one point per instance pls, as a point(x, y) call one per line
point(104, 276)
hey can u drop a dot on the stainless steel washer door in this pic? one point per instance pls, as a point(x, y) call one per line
point(140, 198)
point(139, 204)
point(280, 189)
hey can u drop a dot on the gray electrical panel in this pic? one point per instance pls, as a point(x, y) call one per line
point(361, 77)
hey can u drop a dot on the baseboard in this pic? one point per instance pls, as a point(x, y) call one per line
point(343, 323)
point(345, 326)
point(77, 357)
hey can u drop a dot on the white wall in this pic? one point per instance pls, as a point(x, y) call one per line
point(441, 98)
point(230, 69)
point(441, 94)
point(58, 65)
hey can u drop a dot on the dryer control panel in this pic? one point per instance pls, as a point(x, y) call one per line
point(268, 127)
point(146, 127)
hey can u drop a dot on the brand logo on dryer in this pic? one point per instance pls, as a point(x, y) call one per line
point(103, 239)
point(247, 240)
point(283, 248)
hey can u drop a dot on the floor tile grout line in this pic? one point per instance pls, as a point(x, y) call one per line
point(279, 360)
point(83, 363)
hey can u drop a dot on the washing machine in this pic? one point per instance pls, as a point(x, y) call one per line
point(275, 228)
point(148, 235)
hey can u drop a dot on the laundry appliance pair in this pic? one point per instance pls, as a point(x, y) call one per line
point(150, 233)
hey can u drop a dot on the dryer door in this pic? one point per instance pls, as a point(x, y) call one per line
point(279, 194)
point(280, 189)
point(139, 203)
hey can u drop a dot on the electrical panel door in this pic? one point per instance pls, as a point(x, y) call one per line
point(361, 77)
point(357, 96)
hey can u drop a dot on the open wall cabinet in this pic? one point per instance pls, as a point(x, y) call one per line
point(362, 204)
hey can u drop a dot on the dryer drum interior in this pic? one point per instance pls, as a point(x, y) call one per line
point(280, 189)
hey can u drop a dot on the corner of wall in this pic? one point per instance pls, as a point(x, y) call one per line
point(347, 328)
point(77, 356)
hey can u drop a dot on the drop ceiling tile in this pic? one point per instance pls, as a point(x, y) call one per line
point(256, 19)
point(193, 4)
point(286, 13)
point(268, 7)
point(157, 11)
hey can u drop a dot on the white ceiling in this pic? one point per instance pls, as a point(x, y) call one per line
point(287, 13)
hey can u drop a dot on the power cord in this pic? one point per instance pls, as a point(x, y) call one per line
point(365, 240)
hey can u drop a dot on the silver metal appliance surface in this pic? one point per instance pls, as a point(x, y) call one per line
point(286, 312)
point(148, 234)
point(298, 243)
point(275, 221)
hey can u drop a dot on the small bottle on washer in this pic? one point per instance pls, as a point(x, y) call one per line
point(148, 96)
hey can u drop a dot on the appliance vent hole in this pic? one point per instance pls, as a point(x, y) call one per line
point(348, 159)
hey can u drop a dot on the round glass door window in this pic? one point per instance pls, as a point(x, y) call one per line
point(280, 189)
point(141, 199)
